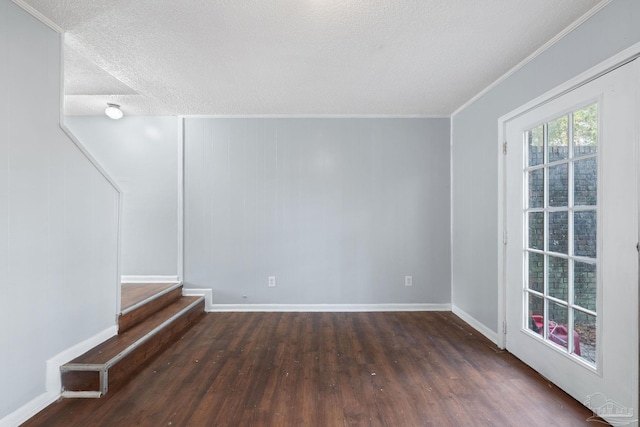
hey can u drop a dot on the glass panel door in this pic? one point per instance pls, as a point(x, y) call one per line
point(561, 221)
point(570, 260)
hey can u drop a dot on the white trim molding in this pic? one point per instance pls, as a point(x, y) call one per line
point(149, 279)
point(180, 199)
point(621, 58)
point(475, 324)
point(29, 409)
point(39, 16)
point(54, 380)
point(206, 293)
point(575, 24)
point(327, 307)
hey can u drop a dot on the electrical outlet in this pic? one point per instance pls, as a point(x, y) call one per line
point(272, 281)
point(408, 280)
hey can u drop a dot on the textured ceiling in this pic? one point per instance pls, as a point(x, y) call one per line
point(356, 57)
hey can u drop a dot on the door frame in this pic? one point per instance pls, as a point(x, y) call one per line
point(591, 74)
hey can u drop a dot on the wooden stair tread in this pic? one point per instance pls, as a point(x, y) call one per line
point(139, 311)
point(136, 293)
point(108, 350)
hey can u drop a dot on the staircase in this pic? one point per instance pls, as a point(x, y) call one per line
point(145, 328)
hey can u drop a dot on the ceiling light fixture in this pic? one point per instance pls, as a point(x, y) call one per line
point(113, 111)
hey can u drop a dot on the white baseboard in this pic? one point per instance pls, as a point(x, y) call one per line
point(28, 410)
point(328, 307)
point(53, 380)
point(149, 279)
point(206, 293)
point(475, 324)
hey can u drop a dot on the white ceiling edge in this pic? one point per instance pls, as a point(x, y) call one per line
point(575, 24)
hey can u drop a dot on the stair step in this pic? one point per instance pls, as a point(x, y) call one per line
point(113, 362)
point(138, 312)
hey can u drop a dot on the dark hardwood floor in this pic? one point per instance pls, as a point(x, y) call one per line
point(328, 369)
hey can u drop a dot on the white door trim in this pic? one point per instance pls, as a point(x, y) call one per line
point(591, 74)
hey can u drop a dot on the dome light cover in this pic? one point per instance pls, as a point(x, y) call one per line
point(113, 111)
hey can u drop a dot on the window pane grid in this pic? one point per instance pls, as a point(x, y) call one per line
point(583, 310)
point(560, 214)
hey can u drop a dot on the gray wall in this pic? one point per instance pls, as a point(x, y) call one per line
point(476, 151)
point(141, 155)
point(338, 209)
point(58, 218)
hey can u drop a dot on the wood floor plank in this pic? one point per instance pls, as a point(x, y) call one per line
point(317, 369)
